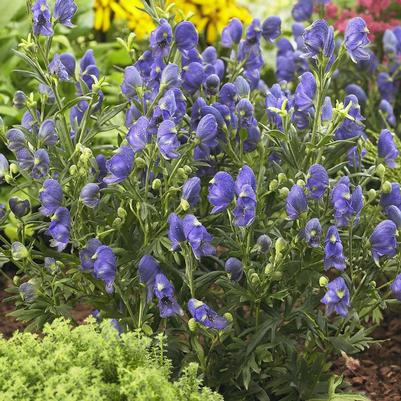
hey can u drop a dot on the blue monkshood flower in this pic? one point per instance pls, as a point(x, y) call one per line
point(20, 207)
point(47, 132)
point(161, 38)
point(19, 251)
point(64, 10)
point(296, 202)
point(207, 131)
point(186, 36)
point(193, 76)
point(132, 82)
point(164, 292)
point(197, 236)
point(319, 38)
point(104, 267)
point(170, 77)
point(212, 84)
point(69, 63)
point(327, 109)
point(190, 193)
point(3, 211)
point(88, 68)
point(59, 228)
point(120, 165)
point(387, 109)
point(167, 140)
point(387, 149)
point(264, 243)
point(386, 86)
point(221, 191)
point(51, 196)
point(51, 265)
point(24, 158)
point(397, 33)
point(228, 95)
point(16, 139)
point(234, 268)
point(252, 139)
point(336, 298)
point(138, 135)
point(205, 315)
point(356, 39)
point(312, 232)
point(86, 254)
point(351, 128)
point(242, 87)
point(232, 33)
point(58, 69)
point(190, 56)
point(245, 209)
point(246, 176)
point(19, 100)
point(90, 195)
point(148, 268)
point(302, 10)
point(271, 28)
point(383, 240)
point(29, 122)
point(77, 113)
point(396, 287)
point(305, 92)
point(333, 250)
point(41, 18)
point(4, 168)
point(394, 214)
point(40, 164)
point(175, 231)
point(354, 89)
point(244, 110)
point(391, 198)
point(27, 292)
point(317, 182)
point(298, 29)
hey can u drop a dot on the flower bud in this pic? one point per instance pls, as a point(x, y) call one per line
point(323, 281)
point(73, 170)
point(264, 243)
point(184, 205)
point(27, 291)
point(371, 194)
point(156, 184)
point(140, 162)
point(283, 192)
point(372, 284)
point(281, 178)
point(181, 173)
point(121, 212)
point(3, 211)
point(228, 316)
point(19, 251)
point(117, 222)
point(187, 169)
point(19, 206)
point(277, 276)
point(13, 168)
point(19, 100)
point(255, 280)
point(280, 245)
point(147, 330)
point(386, 187)
point(16, 280)
point(301, 183)
point(380, 170)
point(192, 325)
point(268, 269)
point(273, 185)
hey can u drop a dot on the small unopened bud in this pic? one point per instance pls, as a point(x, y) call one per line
point(16, 280)
point(301, 183)
point(187, 169)
point(280, 245)
point(273, 185)
point(140, 162)
point(121, 212)
point(192, 325)
point(277, 275)
point(268, 269)
point(372, 284)
point(283, 192)
point(156, 184)
point(282, 178)
point(19, 100)
point(386, 187)
point(13, 168)
point(264, 243)
point(228, 316)
point(117, 222)
point(184, 205)
point(73, 170)
point(371, 194)
point(323, 281)
point(255, 280)
point(19, 251)
point(181, 173)
point(380, 170)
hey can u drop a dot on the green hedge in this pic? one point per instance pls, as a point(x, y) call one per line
point(92, 363)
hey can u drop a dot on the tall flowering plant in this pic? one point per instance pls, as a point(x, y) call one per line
point(241, 219)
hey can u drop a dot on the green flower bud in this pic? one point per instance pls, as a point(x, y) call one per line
point(273, 185)
point(156, 184)
point(19, 251)
point(16, 280)
point(380, 170)
point(181, 173)
point(372, 284)
point(386, 187)
point(140, 162)
point(323, 281)
point(121, 212)
point(187, 169)
point(277, 275)
point(268, 269)
point(280, 245)
point(73, 170)
point(283, 192)
point(147, 329)
point(184, 205)
point(228, 316)
point(301, 183)
point(255, 280)
point(371, 194)
point(192, 325)
point(117, 222)
point(282, 178)
point(13, 168)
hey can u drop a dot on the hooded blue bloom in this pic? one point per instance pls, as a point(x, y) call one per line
point(264, 243)
point(317, 182)
point(391, 198)
point(327, 109)
point(193, 76)
point(275, 98)
point(170, 77)
point(205, 315)
point(19, 207)
point(47, 132)
point(336, 298)
point(197, 236)
point(86, 254)
point(394, 214)
point(41, 18)
point(232, 33)
point(354, 89)
point(175, 231)
point(387, 149)
point(305, 92)
point(164, 292)
point(228, 95)
point(312, 232)
point(15, 139)
point(131, 83)
point(138, 136)
point(51, 196)
point(245, 209)
point(88, 68)
point(120, 165)
point(296, 202)
point(319, 38)
point(242, 87)
point(58, 69)
point(40, 164)
point(234, 268)
point(356, 39)
point(4, 168)
point(386, 86)
point(383, 240)
point(302, 10)
point(25, 159)
point(104, 267)
point(333, 250)
point(387, 109)
point(64, 10)
point(186, 36)
point(212, 84)
point(252, 139)
point(27, 292)
point(244, 110)
point(246, 176)
point(30, 122)
point(351, 128)
point(207, 131)
point(221, 191)
point(90, 195)
point(191, 192)
point(167, 140)
point(161, 38)
point(396, 287)
point(148, 268)
point(59, 228)
point(271, 28)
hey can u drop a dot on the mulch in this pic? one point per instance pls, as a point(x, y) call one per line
point(375, 372)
